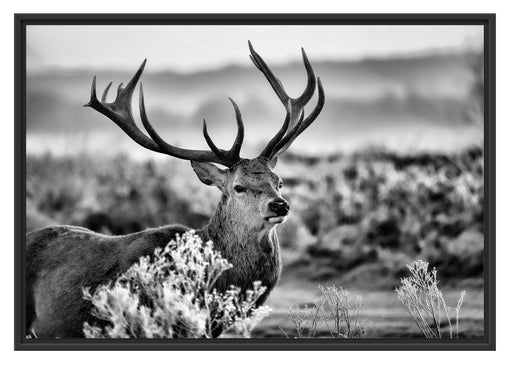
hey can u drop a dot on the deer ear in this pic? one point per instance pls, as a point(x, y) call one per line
point(209, 174)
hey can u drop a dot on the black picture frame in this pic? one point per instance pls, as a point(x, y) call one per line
point(488, 21)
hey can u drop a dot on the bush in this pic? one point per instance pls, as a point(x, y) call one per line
point(336, 307)
point(348, 211)
point(339, 309)
point(172, 294)
point(374, 201)
point(423, 300)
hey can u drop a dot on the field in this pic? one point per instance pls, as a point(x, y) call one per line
point(357, 220)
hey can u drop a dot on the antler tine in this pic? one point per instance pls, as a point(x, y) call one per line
point(93, 97)
point(307, 94)
point(209, 141)
point(105, 92)
point(233, 154)
point(183, 153)
point(318, 108)
point(302, 124)
point(311, 85)
point(120, 112)
point(273, 80)
point(239, 139)
point(294, 106)
point(267, 152)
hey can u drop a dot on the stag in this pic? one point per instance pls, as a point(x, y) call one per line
point(61, 260)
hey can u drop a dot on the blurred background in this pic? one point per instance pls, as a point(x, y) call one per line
point(391, 171)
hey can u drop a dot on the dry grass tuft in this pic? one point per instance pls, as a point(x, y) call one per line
point(336, 307)
point(424, 301)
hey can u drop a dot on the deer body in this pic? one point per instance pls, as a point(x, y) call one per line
point(61, 260)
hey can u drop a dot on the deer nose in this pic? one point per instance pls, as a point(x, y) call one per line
point(279, 206)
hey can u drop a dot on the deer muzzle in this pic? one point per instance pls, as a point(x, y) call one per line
point(279, 206)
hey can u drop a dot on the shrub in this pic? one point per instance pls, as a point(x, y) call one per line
point(420, 205)
point(336, 307)
point(172, 294)
point(421, 297)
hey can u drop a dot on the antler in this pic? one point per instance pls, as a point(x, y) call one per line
point(294, 123)
point(120, 112)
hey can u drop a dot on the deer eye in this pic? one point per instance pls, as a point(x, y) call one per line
point(280, 185)
point(240, 189)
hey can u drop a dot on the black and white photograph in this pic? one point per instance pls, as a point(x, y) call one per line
point(289, 182)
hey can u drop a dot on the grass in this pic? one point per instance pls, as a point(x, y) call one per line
point(340, 309)
point(381, 314)
point(425, 303)
point(336, 307)
point(172, 295)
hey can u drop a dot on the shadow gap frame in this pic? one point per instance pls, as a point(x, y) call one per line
point(488, 21)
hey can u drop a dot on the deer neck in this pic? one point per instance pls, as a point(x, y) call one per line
point(253, 251)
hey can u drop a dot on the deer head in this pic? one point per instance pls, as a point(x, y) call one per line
point(251, 191)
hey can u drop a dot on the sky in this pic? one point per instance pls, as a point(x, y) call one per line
point(192, 48)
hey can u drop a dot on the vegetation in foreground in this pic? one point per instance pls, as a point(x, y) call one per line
point(339, 309)
point(172, 295)
point(420, 296)
point(336, 307)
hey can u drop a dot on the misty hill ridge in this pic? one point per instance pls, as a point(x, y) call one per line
point(366, 94)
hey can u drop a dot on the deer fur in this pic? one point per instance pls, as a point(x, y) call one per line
point(61, 260)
